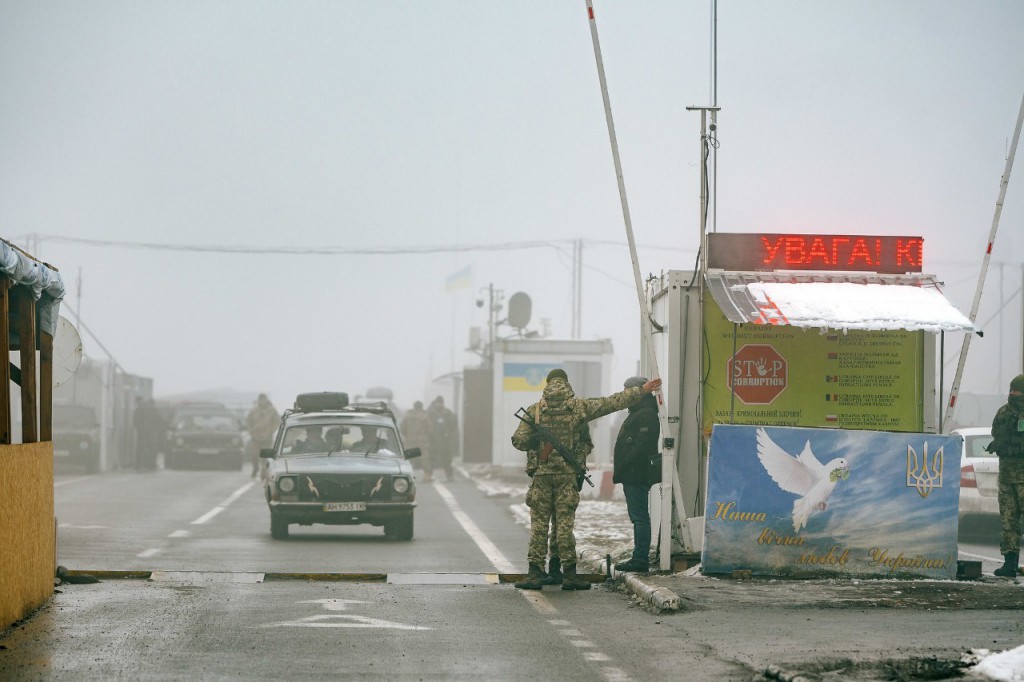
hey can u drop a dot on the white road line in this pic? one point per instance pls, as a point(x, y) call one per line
point(223, 505)
point(538, 601)
point(489, 549)
point(982, 557)
point(179, 534)
point(148, 553)
point(57, 484)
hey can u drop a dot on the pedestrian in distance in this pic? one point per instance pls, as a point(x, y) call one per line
point(1008, 444)
point(261, 423)
point(637, 467)
point(444, 437)
point(415, 428)
point(554, 488)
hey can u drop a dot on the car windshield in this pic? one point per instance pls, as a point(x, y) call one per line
point(349, 438)
point(199, 421)
point(74, 415)
point(975, 446)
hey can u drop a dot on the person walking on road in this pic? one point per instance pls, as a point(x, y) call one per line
point(261, 422)
point(554, 487)
point(637, 468)
point(415, 428)
point(444, 436)
point(1008, 444)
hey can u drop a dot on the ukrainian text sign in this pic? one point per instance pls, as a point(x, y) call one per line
point(818, 502)
point(834, 252)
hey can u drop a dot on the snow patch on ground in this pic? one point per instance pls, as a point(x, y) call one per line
point(1007, 666)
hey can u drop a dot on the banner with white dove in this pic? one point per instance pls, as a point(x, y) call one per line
point(805, 502)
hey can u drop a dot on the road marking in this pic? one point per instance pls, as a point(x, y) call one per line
point(153, 551)
point(71, 525)
point(179, 534)
point(223, 505)
point(346, 621)
point(981, 556)
point(596, 656)
point(57, 484)
point(490, 550)
point(333, 604)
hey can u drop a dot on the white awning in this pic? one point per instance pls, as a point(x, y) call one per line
point(836, 301)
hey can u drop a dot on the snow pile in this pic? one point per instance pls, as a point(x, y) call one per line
point(1007, 666)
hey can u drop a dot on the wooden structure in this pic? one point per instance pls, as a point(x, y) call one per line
point(30, 295)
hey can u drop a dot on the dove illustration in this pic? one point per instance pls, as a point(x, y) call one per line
point(803, 475)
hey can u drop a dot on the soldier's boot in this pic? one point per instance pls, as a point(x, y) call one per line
point(554, 575)
point(1009, 567)
point(534, 579)
point(571, 581)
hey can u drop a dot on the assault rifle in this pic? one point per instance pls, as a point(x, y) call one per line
point(546, 435)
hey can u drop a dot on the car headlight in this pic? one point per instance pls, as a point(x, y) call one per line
point(179, 441)
point(84, 444)
point(401, 485)
point(286, 484)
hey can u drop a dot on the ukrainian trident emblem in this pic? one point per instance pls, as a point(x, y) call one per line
point(920, 475)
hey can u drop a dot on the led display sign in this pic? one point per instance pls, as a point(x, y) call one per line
point(842, 253)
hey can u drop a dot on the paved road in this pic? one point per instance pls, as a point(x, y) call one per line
point(217, 621)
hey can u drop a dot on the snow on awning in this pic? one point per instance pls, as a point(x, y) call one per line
point(42, 279)
point(836, 301)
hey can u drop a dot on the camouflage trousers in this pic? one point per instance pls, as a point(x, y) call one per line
point(552, 499)
point(1011, 502)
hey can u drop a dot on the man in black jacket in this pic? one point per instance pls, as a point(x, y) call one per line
point(637, 468)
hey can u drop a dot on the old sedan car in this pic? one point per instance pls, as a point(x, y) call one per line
point(979, 474)
point(76, 437)
point(339, 464)
point(204, 435)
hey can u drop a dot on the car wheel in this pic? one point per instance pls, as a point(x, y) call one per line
point(169, 461)
point(278, 527)
point(401, 529)
point(92, 466)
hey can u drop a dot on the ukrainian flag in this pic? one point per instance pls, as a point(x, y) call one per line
point(459, 280)
point(525, 376)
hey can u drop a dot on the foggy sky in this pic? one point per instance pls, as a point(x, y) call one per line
point(388, 124)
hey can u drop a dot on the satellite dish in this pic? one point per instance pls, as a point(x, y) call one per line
point(67, 351)
point(519, 310)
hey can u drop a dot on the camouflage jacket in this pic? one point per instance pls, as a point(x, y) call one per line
point(1008, 429)
point(415, 428)
point(261, 422)
point(567, 416)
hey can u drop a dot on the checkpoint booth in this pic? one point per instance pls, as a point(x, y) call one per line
point(800, 385)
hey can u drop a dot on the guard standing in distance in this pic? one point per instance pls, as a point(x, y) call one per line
point(1008, 444)
point(554, 485)
point(261, 422)
point(415, 430)
point(636, 458)
point(444, 436)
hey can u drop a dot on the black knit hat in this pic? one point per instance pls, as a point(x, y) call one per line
point(558, 373)
point(634, 381)
point(1017, 384)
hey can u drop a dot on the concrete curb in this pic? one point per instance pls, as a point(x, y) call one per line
point(661, 599)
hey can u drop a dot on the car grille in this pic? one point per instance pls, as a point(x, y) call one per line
point(345, 488)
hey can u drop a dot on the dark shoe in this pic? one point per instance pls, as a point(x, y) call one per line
point(554, 575)
point(534, 579)
point(571, 581)
point(632, 566)
point(1009, 567)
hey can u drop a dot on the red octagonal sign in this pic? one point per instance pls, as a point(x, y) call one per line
point(758, 374)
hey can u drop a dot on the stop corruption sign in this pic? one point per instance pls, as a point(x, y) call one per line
point(758, 374)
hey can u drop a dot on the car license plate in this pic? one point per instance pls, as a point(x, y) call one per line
point(344, 506)
point(62, 453)
point(208, 451)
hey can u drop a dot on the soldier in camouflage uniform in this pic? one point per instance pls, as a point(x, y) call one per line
point(554, 489)
point(415, 430)
point(584, 446)
point(1008, 444)
point(261, 422)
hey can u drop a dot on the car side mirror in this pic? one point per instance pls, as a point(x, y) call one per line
point(412, 453)
point(267, 453)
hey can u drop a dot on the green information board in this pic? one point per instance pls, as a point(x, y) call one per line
point(788, 376)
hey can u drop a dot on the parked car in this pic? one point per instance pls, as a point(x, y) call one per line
point(339, 464)
point(203, 435)
point(979, 474)
point(76, 437)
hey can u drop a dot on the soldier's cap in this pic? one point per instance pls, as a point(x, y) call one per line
point(1017, 384)
point(558, 373)
point(634, 381)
